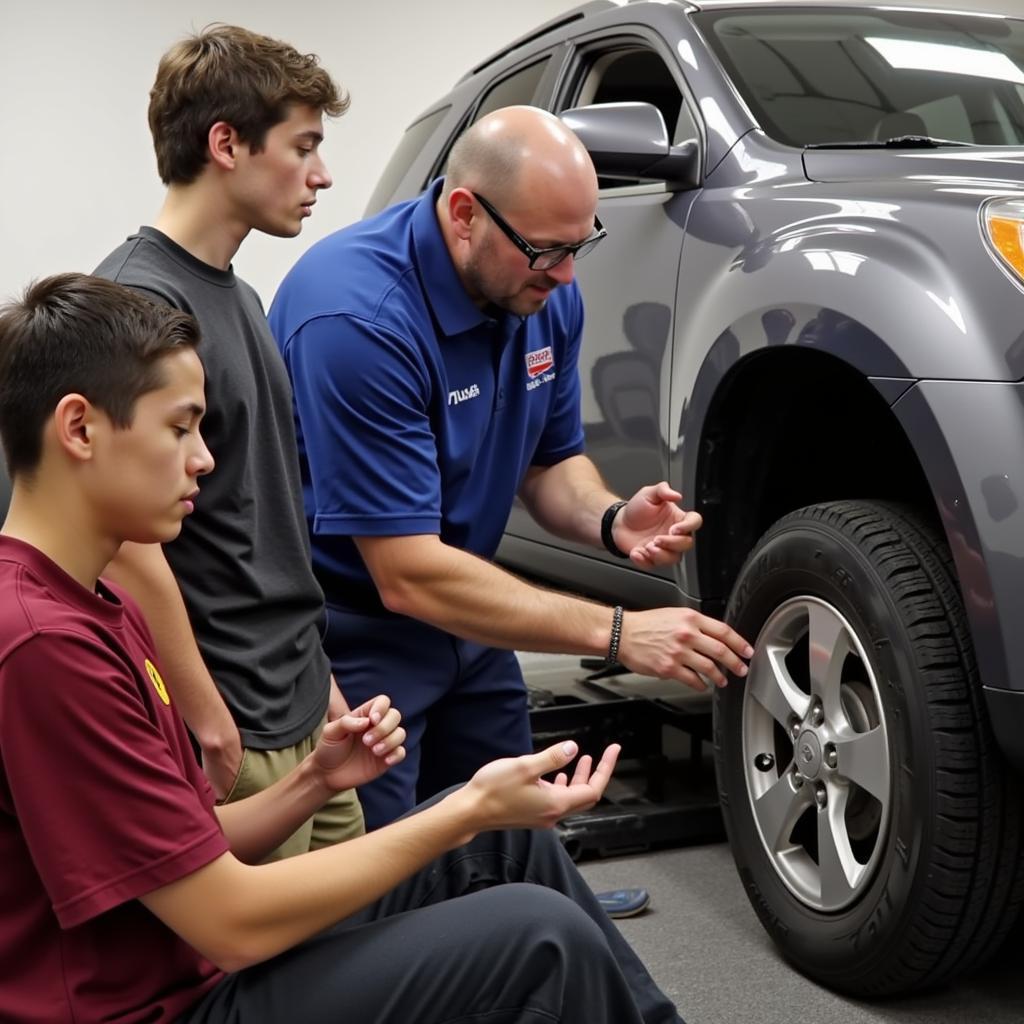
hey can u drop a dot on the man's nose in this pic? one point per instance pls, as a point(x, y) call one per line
point(564, 272)
point(321, 177)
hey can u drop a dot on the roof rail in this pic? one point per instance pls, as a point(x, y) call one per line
point(584, 11)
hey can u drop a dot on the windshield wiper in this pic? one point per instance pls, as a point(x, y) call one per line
point(898, 142)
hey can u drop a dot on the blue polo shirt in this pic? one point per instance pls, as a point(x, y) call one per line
point(417, 412)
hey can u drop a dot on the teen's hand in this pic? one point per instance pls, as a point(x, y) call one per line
point(510, 793)
point(360, 745)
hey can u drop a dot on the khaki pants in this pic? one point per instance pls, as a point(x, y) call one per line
point(339, 819)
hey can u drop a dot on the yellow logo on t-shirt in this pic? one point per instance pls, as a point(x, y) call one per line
point(158, 683)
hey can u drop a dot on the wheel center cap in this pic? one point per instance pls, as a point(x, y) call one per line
point(808, 754)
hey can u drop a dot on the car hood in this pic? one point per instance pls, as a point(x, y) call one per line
point(998, 169)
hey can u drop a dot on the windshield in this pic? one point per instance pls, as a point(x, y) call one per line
point(815, 76)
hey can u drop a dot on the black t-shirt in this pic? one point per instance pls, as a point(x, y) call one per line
point(242, 559)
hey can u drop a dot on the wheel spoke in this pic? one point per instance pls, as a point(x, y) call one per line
point(864, 760)
point(777, 811)
point(771, 685)
point(829, 709)
point(839, 869)
point(829, 644)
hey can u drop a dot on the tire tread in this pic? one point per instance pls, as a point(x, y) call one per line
point(970, 886)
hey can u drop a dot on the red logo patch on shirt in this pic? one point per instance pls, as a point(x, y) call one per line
point(539, 362)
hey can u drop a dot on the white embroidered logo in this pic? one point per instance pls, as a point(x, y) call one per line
point(463, 394)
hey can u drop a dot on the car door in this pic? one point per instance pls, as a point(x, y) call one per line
point(629, 286)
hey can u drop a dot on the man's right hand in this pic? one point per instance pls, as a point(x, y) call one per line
point(221, 762)
point(682, 644)
point(510, 793)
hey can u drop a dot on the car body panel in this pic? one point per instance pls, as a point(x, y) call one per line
point(871, 261)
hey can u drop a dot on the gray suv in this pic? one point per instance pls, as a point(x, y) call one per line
point(808, 316)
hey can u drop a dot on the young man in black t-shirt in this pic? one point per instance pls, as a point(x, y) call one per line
point(237, 120)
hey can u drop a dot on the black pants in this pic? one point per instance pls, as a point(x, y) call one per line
point(501, 931)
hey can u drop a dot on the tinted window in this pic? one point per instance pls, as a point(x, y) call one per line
point(413, 141)
point(841, 75)
point(518, 88)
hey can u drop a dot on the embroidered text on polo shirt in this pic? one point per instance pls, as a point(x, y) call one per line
point(463, 394)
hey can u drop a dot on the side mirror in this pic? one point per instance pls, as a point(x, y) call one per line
point(630, 140)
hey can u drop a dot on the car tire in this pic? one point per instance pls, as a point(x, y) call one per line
point(874, 826)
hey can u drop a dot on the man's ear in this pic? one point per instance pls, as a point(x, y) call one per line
point(74, 426)
point(461, 212)
point(223, 143)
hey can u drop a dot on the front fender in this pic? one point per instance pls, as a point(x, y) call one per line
point(968, 437)
point(765, 250)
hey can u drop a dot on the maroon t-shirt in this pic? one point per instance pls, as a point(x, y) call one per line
point(101, 801)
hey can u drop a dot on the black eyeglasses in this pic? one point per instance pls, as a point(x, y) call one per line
point(542, 259)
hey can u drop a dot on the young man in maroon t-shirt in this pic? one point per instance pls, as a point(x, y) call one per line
point(126, 895)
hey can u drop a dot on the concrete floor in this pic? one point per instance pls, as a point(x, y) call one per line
point(705, 947)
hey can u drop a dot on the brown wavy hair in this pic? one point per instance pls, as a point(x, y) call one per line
point(226, 73)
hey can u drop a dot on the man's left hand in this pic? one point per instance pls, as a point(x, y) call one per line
point(652, 529)
point(360, 745)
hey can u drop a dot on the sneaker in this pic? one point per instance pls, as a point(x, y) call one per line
point(624, 902)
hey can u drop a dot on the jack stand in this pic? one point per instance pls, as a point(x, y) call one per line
point(663, 791)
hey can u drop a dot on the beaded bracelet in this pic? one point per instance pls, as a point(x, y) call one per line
point(613, 643)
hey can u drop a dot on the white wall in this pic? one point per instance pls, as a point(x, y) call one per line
point(77, 172)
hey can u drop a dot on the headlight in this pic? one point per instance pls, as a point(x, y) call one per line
point(1003, 223)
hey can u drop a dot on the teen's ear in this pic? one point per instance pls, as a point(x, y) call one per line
point(460, 212)
point(223, 143)
point(74, 424)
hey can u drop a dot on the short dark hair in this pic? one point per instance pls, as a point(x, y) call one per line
point(226, 73)
point(74, 333)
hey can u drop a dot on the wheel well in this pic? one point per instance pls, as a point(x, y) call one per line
point(786, 429)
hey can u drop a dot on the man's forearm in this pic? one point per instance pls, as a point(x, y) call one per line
point(423, 578)
point(568, 499)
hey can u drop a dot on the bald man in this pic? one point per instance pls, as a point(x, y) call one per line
point(432, 350)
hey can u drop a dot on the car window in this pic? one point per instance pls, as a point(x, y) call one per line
point(518, 88)
point(410, 147)
point(631, 74)
point(820, 75)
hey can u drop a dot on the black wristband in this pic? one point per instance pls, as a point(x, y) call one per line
point(616, 636)
point(606, 529)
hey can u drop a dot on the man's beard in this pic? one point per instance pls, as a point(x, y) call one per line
point(516, 303)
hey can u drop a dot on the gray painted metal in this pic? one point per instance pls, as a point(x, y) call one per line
point(872, 260)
